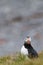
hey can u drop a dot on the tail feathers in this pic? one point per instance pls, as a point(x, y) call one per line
point(32, 53)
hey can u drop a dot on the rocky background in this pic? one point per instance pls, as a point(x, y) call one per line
point(19, 18)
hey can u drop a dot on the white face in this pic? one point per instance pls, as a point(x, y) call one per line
point(28, 39)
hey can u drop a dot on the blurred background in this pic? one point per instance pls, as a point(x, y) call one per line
point(19, 18)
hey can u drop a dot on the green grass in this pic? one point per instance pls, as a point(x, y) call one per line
point(19, 59)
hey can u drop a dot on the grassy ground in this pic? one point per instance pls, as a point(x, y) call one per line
point(19, 59)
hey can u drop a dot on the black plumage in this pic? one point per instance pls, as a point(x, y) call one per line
point(31, 51)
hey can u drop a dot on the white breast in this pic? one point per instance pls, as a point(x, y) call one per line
point(24, 51)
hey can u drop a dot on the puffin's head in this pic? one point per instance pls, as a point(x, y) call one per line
point(28, 40)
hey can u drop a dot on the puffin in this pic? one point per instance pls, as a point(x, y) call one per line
point(27, 49)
